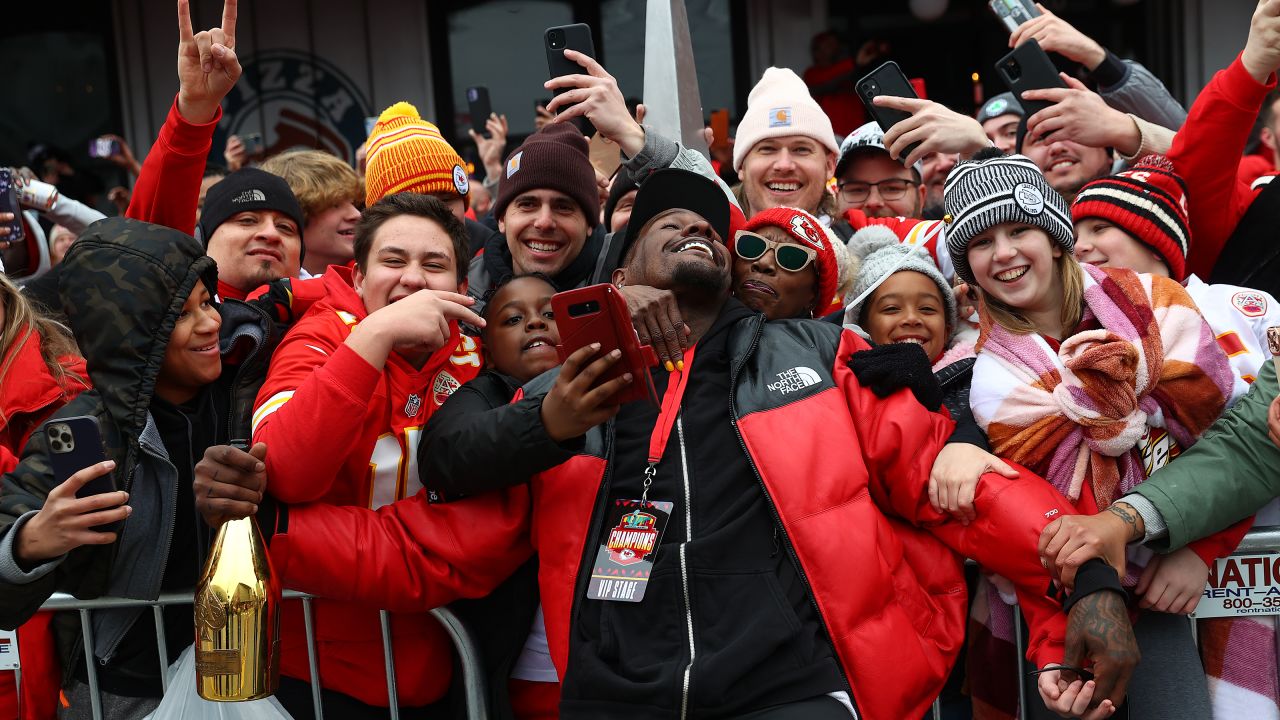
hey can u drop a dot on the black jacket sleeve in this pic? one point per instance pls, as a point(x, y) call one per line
point(479, 441)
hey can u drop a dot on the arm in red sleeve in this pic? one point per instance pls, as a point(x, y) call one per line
point(311, 411)
point(1221, 543)
point(408, 556)
point(1207, 152)
point(168, 188)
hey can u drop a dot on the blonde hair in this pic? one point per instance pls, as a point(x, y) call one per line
point(22, 323)
point(318, 179)
point(1072, 277)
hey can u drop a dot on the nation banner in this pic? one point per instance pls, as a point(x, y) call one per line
point(1242, 585)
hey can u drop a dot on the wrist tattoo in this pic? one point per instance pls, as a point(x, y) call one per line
point(1125, 512)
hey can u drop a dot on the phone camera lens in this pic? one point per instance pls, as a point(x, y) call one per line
point(557, 39)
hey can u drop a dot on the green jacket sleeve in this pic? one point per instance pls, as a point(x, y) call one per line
point(1227, 476)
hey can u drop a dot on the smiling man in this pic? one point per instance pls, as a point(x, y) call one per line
point(252, 226)
point(785, 149)
point(349, 390)
point(547, 206)
point(1066, 164)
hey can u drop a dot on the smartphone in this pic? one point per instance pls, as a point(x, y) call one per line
point(720, 128)
point(15, 253)
point(1014, 12)
point(572, 37)
point(479, 107)
point(1028, 67)
point(598, 314)
point(75, 443)
point(888, 79)
point(103, 147)
point(252, 144)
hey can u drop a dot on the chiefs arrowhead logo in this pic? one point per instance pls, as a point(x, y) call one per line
point(443, 386)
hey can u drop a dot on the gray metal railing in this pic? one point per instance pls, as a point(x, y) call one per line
point(472, 674)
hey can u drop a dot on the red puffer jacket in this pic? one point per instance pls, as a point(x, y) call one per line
point(30, 394)
point(847, 473)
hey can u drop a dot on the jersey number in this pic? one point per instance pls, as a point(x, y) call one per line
point(393, 468)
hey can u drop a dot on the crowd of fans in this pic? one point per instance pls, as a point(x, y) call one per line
point(1037, 342)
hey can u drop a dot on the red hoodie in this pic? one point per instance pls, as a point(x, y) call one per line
point(342, 432)
point(1207, 152)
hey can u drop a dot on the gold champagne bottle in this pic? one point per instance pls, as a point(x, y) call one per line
point(237, 610)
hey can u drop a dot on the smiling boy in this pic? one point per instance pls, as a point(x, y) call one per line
point(349, 391)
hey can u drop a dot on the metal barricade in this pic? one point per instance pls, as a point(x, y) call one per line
point(472, 674)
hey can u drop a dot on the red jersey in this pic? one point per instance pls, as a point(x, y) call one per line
point(342, 432)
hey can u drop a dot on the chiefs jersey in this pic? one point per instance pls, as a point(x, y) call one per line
point(342, 432)
point(1239, 318)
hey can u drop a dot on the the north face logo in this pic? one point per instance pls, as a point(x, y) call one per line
point(250, 196)
point(797, 378)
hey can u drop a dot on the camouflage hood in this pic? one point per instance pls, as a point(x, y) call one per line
point(123, 286)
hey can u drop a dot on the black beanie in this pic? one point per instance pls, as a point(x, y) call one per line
point(249, 189)
point(554, 158)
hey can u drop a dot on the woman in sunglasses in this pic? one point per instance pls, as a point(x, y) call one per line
point(785, 265)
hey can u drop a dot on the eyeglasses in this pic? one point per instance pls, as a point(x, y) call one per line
point(891, 189)
point(789, 256)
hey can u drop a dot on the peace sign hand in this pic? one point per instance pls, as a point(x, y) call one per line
point(207, 63)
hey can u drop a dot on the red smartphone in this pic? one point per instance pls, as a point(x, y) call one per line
point(598, 314)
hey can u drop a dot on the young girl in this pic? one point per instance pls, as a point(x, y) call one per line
point(1089, 377)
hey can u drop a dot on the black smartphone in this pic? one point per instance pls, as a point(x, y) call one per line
point(888, 79)
point(1028, 67)
point(75, 443)
point(13, 250)
point(569, 37)
point(1014, 12)
point(479, 107)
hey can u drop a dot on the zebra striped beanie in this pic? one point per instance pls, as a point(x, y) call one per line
point(991, 190)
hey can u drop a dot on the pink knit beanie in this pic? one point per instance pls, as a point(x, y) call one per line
point(780, 105)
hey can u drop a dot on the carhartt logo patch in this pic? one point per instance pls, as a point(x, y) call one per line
point(513, 165)
point(780, 117)
point(249, 196)
point(797, 378)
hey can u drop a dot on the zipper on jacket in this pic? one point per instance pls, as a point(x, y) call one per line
point(773, 508)
point(684, 569)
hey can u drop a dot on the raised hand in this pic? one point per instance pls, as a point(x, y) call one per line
point(1057, 35)
point(936, 127)
point(595, 95)
point(1261, 55)
point(492, 148)
point(1081, 115)
point(207, 63)
point(576, 403)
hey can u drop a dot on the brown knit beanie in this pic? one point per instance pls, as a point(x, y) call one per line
point(554, 158)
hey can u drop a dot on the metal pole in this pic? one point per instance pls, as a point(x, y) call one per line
point(389, 656)
point(472, 675)
point(937, 709)
point(1017, 639)
point(312, 662)
point(157, 612)
point(90, 665)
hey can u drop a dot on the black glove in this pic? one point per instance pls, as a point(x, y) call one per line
point(888, 368)
point(1093, 576)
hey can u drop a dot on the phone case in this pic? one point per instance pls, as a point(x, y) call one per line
point(1014, 12)
point(888, 79)
point(572, 37)
point(1028, 67)
point(9, 204)
point(479, 107)
point(74, 444)
point(598, 313)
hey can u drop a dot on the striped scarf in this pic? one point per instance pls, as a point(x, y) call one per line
point(1076, 415)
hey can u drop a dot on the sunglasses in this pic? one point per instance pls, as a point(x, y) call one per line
point(788, 256)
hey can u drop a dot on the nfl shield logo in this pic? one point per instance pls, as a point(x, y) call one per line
point(412, 406)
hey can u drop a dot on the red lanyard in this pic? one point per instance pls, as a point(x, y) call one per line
point(670, 409)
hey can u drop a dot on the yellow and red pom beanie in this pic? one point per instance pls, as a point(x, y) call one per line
point(408, 154)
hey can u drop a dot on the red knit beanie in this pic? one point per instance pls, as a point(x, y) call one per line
point(807, 231)
point(1148, 201)
point(554, 158)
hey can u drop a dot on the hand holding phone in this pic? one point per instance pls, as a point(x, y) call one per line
point(569, 37)
point(1028, 67)
point(9, 204)
point(103, 147)
point(598, 315)
point(888, 79)
point(1014, 13)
